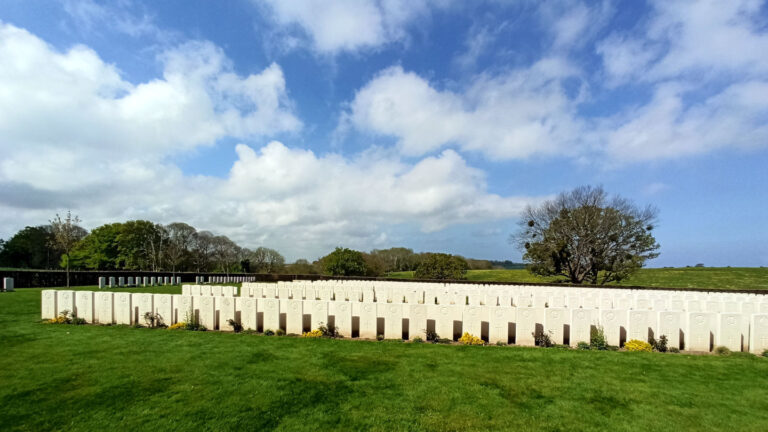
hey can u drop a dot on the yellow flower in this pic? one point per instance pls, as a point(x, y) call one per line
point(468, 339)
point(178, 325)
point(312, 334)
point(638, 345)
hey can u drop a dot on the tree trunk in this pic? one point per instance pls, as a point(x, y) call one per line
point(67, 269)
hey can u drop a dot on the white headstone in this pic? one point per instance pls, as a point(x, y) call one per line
point(393, 319)
point(8, 284)
point(228, 291)
point(142, 303)
point(153, 280)
point(48, 304)
point(342, 313)
point(178, 280)
point(103, 307)
point(249, 314)
point(758, 335)
point(84, 305)
point(183, 309)
point(318, 309)
point(270, 309)
point(730, 333)
point(102, 283)
point(444, 316)
point(121, 281)
point(65, 301)
point(525, 327)
point(146, 281)
point(499, 318)
point(612, 321)
point(130, 280)
point(163, 305)
point(368, 320)
point(167, 280)
point(471, 321)
point(226, 309)
point(417, 321)
point(294, 316)
point(111, 281)
point(123, 308)
point(639, 325)
point(581, 326)
point(700, 327)
point(555, 320)
point(670, 324)
point(206, 290)
point(206, 311)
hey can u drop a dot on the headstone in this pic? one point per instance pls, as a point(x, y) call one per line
point(555, 320)
point(270, 309)
point(228, 291)
point(525, 327)
point(102, 283)
point(130, 280)
point(48, 304)
point(639, 325)
point(163, 304)
point(183, 309)
point(123, 308)
point(142, 303)
point(226, 309)
point(153, 281)
point(758, 335)
point(194, 290)
point(342, 316)
point(393, 319)
point(471, 321)
point(318, 309)
point(178, 280)
point(699, 335)
point(167, 280)
point(444, 316)
point(112, 282)
point(499, 318)
point(249, 315)
point(8, 284)
point(206, 310)
point(294, 317)
point(417, 321)
point(84, 305)
point(270, 292)
point(730, 332)
point(103, 307)
point(65, 301)
point(146, 281)
point(612, 321)
point(670, 323)
point(368, 320)
point(581, 326)
point(121, 281)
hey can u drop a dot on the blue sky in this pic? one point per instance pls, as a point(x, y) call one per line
point(303, 125)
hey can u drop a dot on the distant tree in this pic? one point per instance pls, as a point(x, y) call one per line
point(397, 259)
point(302, 266)
point(141, 244)
point(98, 250)
point(374, 265)
point(344, 262)
point(699, 265)
point(180, 240)
point(202, 250)
point(66, 234)
point(584, 235)
point(266, 260)
point(476, 264)
point(226, 254)
point(31, 247)
point(442, 266)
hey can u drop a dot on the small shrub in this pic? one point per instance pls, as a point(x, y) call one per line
point(178, 326)
point(269, 332)
point(380, 337)
point(312, 334)
point(279, 332)
point(192, 323)
point(674, 350)
point(432, 336)
point(722, 351)
point(236, 326)
point(765, 353)
point(63, 318)
point(329, 331)
point(661, 344)
point(500, 343)
point(543, 339)
point(417, 340)
point(638, 346)
point(468, 339)
point(583, 346)
point(153, 320)
point(597, 339)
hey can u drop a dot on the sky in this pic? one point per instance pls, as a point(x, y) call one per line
point(431, 124)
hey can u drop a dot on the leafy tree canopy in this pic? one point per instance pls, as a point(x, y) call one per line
point(442, 266)
point(344, 262)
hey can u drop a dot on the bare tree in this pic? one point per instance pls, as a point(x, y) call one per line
point(265, 260)
point(202, 250)
point(180, 240)
point(225, 253)
point(66, 234)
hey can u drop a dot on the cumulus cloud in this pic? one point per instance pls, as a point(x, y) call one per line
point(513, 115)
point(336, 26)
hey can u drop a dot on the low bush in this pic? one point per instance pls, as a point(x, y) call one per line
point(597, 339)
point(468, 339)
point(500, 343)
point(661, 344)
point(178, 326)
point(192, 323)
point(279, 332)
point(765, 353)
point(417, 340)
point(236, 326)
point(67, 317)
point(543, 339)
point(269, 332)
point(312, 334)
point(674, 350)
point(329, 330)
point(154, 320)
point(432, 336)
point(583, 346)
point(638, 346)
point(722, 351)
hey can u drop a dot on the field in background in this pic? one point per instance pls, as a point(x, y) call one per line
point(724, 278)
point(61, 377)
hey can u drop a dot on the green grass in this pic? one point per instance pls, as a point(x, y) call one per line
point(98, 378)
point(719, 278)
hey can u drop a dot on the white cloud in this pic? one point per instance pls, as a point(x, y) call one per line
point(513, 115)
point(349, 25)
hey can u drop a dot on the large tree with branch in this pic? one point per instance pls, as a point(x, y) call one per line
point(586, 236)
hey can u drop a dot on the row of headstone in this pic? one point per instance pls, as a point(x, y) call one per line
point(693, 331)
point(209, 290)
point(8, 284)
point(514, 295)
point(113, 282)
point(224, 279)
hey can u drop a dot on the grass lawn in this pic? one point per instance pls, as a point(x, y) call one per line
point(719, 278)
point(100, 378)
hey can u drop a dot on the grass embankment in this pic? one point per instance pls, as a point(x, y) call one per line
point(62, 377)
point(720, 278)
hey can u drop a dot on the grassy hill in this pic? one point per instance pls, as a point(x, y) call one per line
point(721, 278)
point(61, 377)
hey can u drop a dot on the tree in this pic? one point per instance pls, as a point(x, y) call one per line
point(585, 235)
point(138, 243)
point(397, 259)
point(442, 266)
point(66, 234)
point(180, 240)
point(302, 266)
point(344, 262)
point(225, 253)
point(31, 247)
point(265, 260)
point(202, 250)
point(98, 250)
